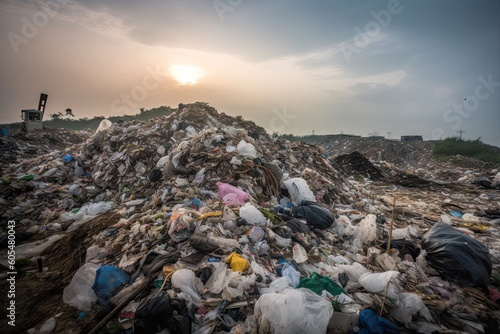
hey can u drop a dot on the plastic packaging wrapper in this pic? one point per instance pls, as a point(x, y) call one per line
point(231, 195)
point(382, 283)
point(79, 293)
point(256, 234)
point(293, 311)
point(315, 215)
point(261, 248)
point(456, 256)
point(191, 285)
point(299, 253)
point(299, 190)
point(409, 305)
point(237, 262)
point(252, 215)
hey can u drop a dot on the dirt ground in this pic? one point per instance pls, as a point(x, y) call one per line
point(39, 297)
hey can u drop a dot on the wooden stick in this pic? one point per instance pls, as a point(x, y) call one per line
point(152, 275)
point(390, 227)
point(120, 306)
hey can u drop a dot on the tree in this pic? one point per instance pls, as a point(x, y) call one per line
point(69, 112)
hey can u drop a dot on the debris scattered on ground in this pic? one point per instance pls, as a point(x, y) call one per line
point(199, 222)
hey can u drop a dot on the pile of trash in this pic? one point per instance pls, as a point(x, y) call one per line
point(403, 155)
point(25, 145)
point(199, 222)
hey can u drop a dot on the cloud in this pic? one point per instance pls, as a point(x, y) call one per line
point(70, 11)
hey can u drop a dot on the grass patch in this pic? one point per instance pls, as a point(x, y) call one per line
point(469, 148)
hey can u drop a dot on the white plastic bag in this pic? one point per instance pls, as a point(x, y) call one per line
point(293, 311)
point(104, 126)
point(385, 283)
point(367, 229)
point(252, 215)
point(299, 190)
point(278, 285)
point(96, 209)
point(246, 150)
point(354, 271)
point(292, 274)
point(217, 281)
point(409, 305)
point(79, 293)
point(191, 285)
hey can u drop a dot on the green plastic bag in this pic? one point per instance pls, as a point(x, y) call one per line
point(318, 283)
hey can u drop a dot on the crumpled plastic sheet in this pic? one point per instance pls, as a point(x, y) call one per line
point(293, 311)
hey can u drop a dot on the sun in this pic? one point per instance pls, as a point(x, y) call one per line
point(186, 74)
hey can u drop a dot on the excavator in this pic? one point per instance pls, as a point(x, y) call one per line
point(32, 118)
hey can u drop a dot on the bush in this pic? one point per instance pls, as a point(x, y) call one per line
point(469, 148)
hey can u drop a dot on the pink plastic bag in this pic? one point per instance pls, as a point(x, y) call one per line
point(231, 195)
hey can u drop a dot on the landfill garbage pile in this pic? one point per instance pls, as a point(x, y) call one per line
point(199, 222)
point(358, 164)
point(26, 145)
point(403, 155)
point(403, 160)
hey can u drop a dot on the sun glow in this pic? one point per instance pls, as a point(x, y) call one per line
point(186, 74)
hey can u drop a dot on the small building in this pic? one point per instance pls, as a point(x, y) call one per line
point(411, 138)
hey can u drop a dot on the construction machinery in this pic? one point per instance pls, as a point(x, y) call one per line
point(32, 118)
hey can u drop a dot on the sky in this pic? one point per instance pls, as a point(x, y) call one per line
point(390, 68)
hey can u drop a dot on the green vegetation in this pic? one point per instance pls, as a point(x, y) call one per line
point(470, 148)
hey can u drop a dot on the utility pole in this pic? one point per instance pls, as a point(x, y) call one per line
point(460, 132)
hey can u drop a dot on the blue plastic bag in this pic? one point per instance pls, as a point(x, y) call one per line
point(371, 323)
point(107, 281)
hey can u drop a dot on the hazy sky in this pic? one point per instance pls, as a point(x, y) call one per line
point(404, 67)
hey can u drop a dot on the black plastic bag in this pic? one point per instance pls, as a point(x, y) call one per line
point(202, 243)
point(157, 313)
point(152, 314)
point(404, 247)
point(457, 257)
point(315, 215)
point(295, 224)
